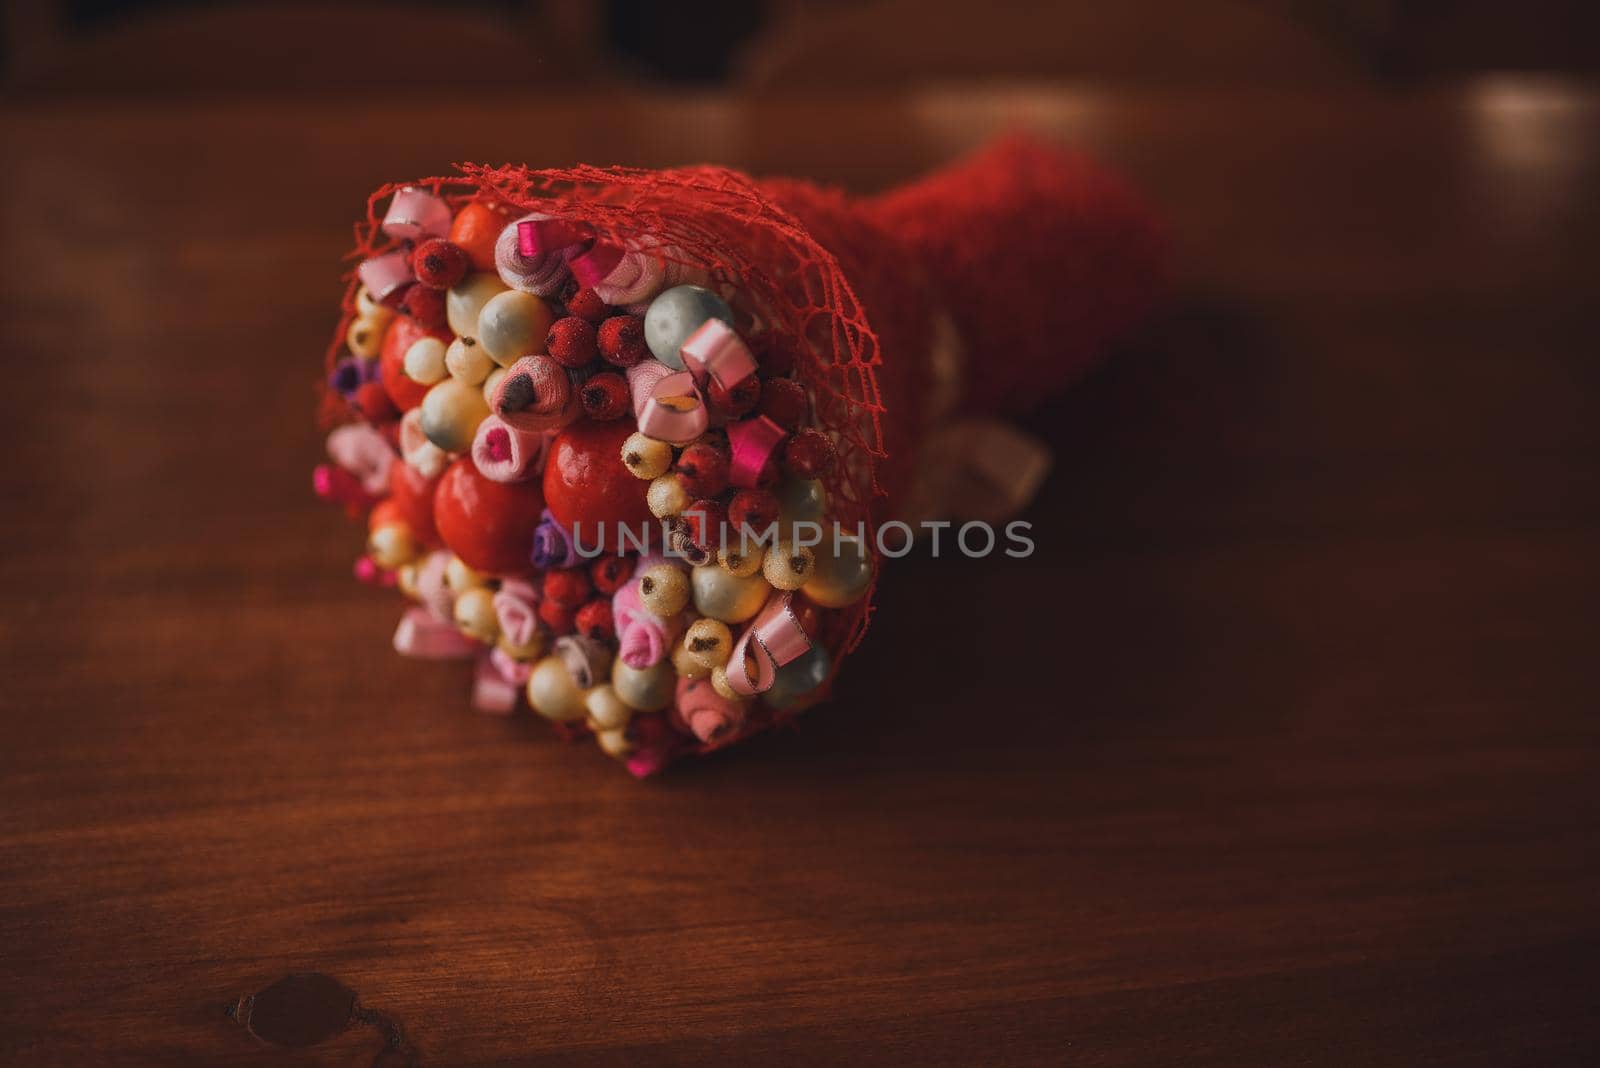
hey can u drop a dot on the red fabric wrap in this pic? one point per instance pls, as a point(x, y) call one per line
point(1041, 257)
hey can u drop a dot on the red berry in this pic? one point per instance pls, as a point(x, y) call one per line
point(810, 454)
point(605, 396)
point(621, 340)
point(488, 524)
point(571, 341)
point(569, 586)
point(783, 400)
point(372, 401)
point(732, 403)
point(426, 306)
point(412, 495)
point(752, 511)
point(594, 620)
point(610, 573)
point(586, 304)
point(558, 617)
point(775, 354)
point(704, 520)
point(703, 470)
point(439, 264)
point(586, 482)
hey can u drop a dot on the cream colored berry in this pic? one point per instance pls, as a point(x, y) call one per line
point(843, 572)
point(475, 615)
point(688, 664)
point(553, 694)
point(451, 413)
point(663, 590)
point(719, 683)
point(424, 361)
point(491, 384)
point(467, 361)
point(406, 579)
point(741, 561)
point(667, 497)
point(367, 307)
point(710, 641)
point(645, 689)
point(614, 743)
point(523, 653)
point(727, 597)
point(607, 711)
point(365, 337)
point(392, 545)
point(467, 298)
point(645, 457)
point(461, 578)
point(788, 566)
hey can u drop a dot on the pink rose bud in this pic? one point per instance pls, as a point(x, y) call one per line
point(516, 606)
point(703, 712)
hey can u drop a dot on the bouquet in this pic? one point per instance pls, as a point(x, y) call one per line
point(632, 441)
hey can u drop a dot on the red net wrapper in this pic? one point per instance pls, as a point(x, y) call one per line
point(976, 291)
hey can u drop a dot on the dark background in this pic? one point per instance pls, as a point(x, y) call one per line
point(188, 46)
point(1282, 750)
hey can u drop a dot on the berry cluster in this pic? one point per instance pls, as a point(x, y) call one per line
point(585, 482)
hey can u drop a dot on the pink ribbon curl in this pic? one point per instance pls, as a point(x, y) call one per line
point(386, 275)
point(774, 639)
point(671, 405)
point(416, 213)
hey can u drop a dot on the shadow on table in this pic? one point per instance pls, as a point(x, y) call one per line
point(1102, 631)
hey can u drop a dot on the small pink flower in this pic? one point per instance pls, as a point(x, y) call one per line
point(516, 605)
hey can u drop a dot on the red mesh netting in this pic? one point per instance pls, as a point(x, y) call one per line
point(1038, 257)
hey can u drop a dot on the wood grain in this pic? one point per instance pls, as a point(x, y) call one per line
point(1283, 748)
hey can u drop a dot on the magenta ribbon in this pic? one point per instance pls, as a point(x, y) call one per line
point(335, 485)
point(590, 265)
point(752, 443)
point(778, 639)
point(670, 405)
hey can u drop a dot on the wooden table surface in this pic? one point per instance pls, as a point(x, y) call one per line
point(1283, 749)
